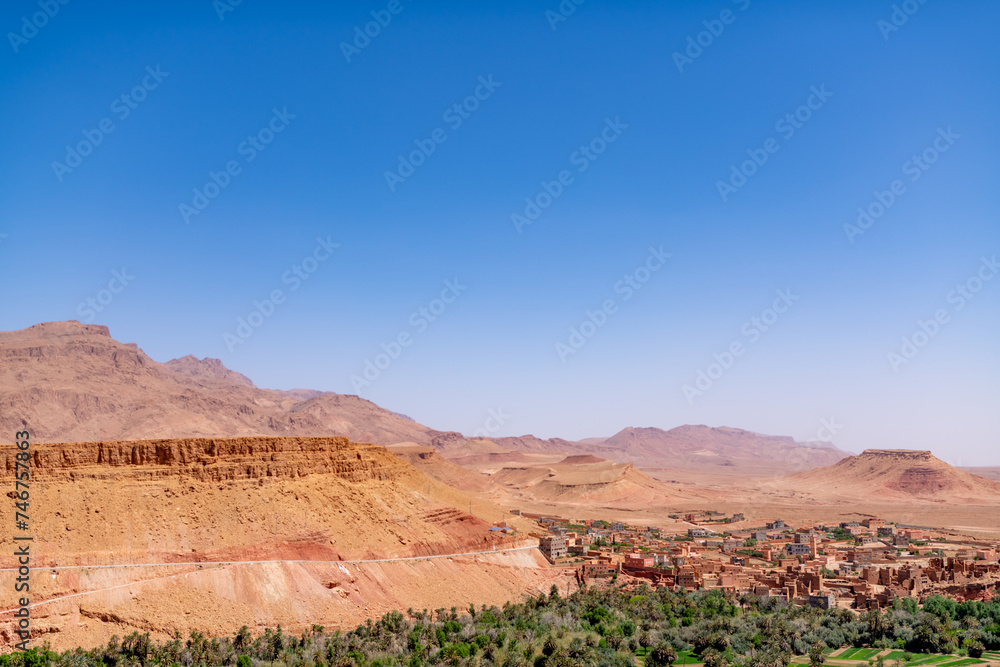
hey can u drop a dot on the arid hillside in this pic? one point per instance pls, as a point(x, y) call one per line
point(429, 461)
point(580, 484)
point(167, 497)
point(212, 533)
point(73, 382)
point(70, 382)
point(695, 448)
point(896, 474)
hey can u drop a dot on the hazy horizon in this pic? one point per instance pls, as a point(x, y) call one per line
point(561, 249)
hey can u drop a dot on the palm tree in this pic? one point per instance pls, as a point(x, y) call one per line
point(241, 638)
point(816, 655)
point(713, 658)
point(664, 655)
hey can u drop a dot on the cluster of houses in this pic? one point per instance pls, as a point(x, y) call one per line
point(851, 565)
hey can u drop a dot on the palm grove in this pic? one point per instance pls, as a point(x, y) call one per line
point(610, 627)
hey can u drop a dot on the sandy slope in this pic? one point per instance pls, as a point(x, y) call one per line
point(246, 499)
point(886, 475)
point(580, 483)
point(219, 599)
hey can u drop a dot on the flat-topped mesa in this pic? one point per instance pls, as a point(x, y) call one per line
point(580, 459)
point(58, 329)
point(208, 459)
point(898, 454)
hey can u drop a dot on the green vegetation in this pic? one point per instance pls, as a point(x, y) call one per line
point(871, 655)
point(905, 656)
point(840, 534)
point(858, 653)
point(605, 628)
point(867, 653)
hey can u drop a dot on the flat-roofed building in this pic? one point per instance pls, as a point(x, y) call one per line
point(639, 561)
point(553, 546)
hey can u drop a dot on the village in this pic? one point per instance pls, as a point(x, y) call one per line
point(851, 565)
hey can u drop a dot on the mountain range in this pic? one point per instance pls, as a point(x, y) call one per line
point(72, 382)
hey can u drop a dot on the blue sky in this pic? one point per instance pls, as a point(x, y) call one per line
point(641, 138)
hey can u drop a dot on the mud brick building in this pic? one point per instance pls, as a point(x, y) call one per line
point(730, 545)
point(638, 561)
point(597, 570)
point(553, 546)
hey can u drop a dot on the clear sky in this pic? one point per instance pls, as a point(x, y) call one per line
point(520, 171)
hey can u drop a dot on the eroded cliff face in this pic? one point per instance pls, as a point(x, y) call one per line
point(915, 471)
point(209, 459)
point(912, 474)
point(210, 534)
point(897, 455)
point(238, 498)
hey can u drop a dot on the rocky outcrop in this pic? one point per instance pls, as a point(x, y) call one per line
point(897, 454)
point(917, 473)
point(67, 381)
point(209, 459)
point(898, 474)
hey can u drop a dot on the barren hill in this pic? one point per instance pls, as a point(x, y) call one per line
point(700, 448)
point(583, 482)
point(74, 382)
point(430, 462)
point(896, 474)
point(233, 531)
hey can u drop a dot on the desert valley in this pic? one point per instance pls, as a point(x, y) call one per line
point(521, 334)
point(178, 497)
